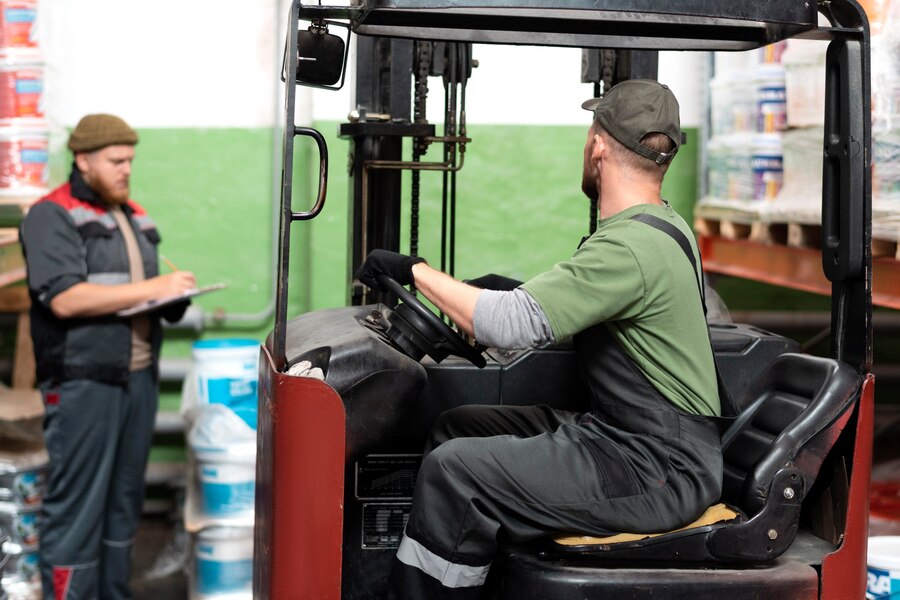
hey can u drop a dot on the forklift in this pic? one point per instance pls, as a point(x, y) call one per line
point(337, 458)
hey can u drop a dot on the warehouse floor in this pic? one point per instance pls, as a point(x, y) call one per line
point(158, 570)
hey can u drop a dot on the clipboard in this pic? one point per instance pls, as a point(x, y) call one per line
point(152, 305)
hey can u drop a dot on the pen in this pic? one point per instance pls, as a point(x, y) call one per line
point(169, 263)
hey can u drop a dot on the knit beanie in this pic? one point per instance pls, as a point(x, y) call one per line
point(94, 132)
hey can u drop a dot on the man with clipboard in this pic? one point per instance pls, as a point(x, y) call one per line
point(91, 252)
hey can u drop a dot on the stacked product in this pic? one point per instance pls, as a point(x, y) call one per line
point(219, 512)
point(23, 129)
point(884, 18)
point(790, 115)
point(22, 484)
point(748, 114)
point(804, 63)
point(800, 198)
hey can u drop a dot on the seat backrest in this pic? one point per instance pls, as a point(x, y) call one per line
point(796, 410)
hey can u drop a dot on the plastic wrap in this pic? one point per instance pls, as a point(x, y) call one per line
point(222, 488)
point(885, 19)
point(748, 110)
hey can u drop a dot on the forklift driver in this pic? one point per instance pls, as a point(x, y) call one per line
point(646, 457)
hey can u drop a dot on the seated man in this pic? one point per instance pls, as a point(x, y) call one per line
point(647, 457)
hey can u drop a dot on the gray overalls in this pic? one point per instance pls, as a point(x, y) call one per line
point(499, 473)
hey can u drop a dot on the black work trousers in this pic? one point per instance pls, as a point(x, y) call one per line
point(513, 473)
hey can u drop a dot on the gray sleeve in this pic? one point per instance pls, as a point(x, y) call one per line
point(54, 252)
point(510, 320)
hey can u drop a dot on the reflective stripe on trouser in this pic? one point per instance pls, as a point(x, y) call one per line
point(98, 437)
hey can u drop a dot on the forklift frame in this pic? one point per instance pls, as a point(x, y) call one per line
point(302, 425)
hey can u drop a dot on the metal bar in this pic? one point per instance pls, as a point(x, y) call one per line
point(279, 336)
point(795, 268)
point(323, 174)
point(847, 186)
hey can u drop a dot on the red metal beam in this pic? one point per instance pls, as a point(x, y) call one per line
point(787, 266)
point(844, 570)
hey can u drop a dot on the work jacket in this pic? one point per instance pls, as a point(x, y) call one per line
point(70, 237)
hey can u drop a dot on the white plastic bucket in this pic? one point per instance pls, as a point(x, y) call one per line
point(17, 19)
point(226, 373)
point(24, 157)
point(20, 523)
point(884, 567)
point(21, 92)
point(227, 480)
point(223, 558)
point(767, 164)
point(771, 104)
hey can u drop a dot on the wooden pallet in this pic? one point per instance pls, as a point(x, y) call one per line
point(797, 235)
point(803, 235)
point(885, 248)
point(800, 235)
point(770, 233)
point(731, 230)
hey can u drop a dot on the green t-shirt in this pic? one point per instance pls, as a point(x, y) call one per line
point(638, 280)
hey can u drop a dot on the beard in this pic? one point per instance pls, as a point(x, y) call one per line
point(589, 187)
point(113, 194)
point(589, 182)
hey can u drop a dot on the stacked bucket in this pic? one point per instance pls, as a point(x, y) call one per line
point(22, 484)
point(748, 114)
point(23, 128)
point(219, 511)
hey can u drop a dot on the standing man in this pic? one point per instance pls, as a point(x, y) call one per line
point(91, 251)
point(646, 457)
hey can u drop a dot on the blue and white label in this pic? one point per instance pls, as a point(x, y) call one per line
point(27, 529)
point(34, 157)
point(29, 486)
point(224, 561)
point(227, 489)
point(29, 86)
point(882, 584)
point(19, 15)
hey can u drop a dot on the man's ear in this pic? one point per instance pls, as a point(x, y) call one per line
point(597, 148)
point(81, 161)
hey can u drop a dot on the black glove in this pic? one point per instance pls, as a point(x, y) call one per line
point(397, 266)
point(498, 283)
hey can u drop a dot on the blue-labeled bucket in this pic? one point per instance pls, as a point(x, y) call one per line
point(227, 480)
point(226, 373)
point(883, 561)
point(223, 558)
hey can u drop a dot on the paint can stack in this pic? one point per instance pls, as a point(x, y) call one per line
point(219, 511)
point(23, 476)
point(747, 114)
point(24, 132)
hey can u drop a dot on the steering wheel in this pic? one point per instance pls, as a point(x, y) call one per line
point(422, 332)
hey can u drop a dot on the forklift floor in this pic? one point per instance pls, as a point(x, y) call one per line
point(154, 552)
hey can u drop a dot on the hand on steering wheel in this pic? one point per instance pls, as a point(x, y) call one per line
point(428, 332)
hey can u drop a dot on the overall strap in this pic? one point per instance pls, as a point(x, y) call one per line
point(729, 407)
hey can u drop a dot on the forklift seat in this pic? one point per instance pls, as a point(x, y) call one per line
point(772, 455)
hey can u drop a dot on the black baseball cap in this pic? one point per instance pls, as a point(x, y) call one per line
point(634, 108)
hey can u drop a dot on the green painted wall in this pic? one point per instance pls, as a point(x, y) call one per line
point(519, 205)
point(520, 208)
